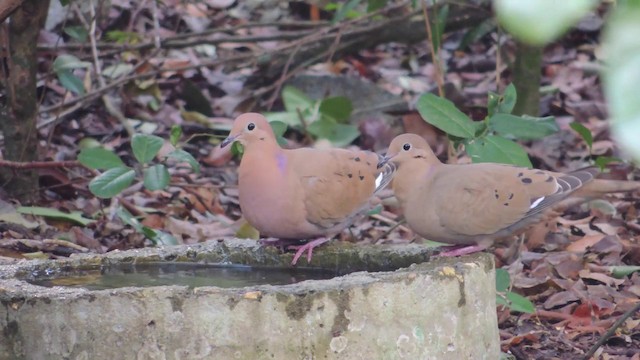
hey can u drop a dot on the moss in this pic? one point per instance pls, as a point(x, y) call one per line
point(299, 306)
point(463, 295)
point(342, 300)
point(232, 302)
point(176, 303)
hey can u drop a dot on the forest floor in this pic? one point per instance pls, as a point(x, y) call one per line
point(569, 267)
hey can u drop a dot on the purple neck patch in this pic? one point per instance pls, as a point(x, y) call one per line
point(282, 162)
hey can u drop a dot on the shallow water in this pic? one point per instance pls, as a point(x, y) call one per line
point(172, 273)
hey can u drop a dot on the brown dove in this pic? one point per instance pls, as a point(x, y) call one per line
point(472, 204)
point(302, 193)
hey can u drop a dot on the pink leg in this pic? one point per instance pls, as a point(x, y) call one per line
point(308, 247)
point(459, 251)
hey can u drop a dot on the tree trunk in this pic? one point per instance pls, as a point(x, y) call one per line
point(18, 115)
point(526, 78)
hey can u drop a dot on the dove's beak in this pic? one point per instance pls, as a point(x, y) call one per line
point(230, 139)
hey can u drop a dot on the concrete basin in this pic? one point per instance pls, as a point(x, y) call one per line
point(392, 304)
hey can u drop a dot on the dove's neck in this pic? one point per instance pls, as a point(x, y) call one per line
point(412, 178)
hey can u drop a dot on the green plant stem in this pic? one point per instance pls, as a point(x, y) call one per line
point(526, 78)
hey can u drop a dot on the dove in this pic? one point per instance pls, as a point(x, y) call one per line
point(472, 205)
point(302, 194)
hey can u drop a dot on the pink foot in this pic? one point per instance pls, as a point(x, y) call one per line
point(459, 251)
point(308, 247)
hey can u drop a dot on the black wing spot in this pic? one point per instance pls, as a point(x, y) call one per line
point(262, 139)
point(526, 180)
point(549, 179)
point(361, 177)
point(350, 175)
point(520, 174)
point(511, 196)
point(495, 193)
point(368, 163)
point(506, 204)
point(356, 159)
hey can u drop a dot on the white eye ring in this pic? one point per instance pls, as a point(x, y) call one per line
point(406, 147)
point(251, 126)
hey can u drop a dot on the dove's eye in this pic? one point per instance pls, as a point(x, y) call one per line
point(251, 126)
point(406, 147)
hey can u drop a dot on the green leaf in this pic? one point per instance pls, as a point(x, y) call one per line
point(122, 37)
point(129, 219)
point(583, 132)
point(508, 100)
point(338, 108)
point(73, 216)
point(71, 82)
point(525, 127)
point(182, 155)
point(288, 118)
point(156, 177)
point(493, 148)
point(117, 70)
point(476, 33)
point(503, 280)
point(99, 158)
point(373, 5)
point(520, 303)
point(621, 271)
point(344, 10)
point(442, 114)
point(69, 62)
point(492, 102)
point(602, 161)
point(79, 33)
point(246, 231)
point(621, 75)
point(112, 182)
point(338, 134)
point(89, 142)
point(278, 127)
point(9, 214)
point(504, 104)
point(295, 100)
point(501, 300)
point(176, 132)
point(159, 237)
point(541, 21)
point(237, 149)
point(145, 147)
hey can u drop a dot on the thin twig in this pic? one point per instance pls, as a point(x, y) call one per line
point(435, 52)
point(65, 243)
point(611, 331)
point(156, 25)
point(39, 164)
point(179, 41)
point(498, 60)
point(283, 77)
point(106, 99)
point(316, 37)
